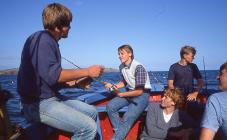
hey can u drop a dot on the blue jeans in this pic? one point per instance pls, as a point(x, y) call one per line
point(136, 105)
point(68, 115)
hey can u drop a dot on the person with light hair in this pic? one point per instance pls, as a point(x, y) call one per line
point(182, 74)
point(135, 79)
point(41, 76)
point(167, 120)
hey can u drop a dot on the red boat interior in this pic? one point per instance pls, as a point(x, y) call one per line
point(105, 125)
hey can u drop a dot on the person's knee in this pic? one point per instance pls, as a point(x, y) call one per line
point(90, 130)
point(93, 113)
point(110, 108)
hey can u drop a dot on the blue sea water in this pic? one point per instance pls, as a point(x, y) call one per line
point(158, 80)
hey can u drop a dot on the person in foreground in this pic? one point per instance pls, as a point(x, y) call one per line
point(41, 76)
point(166, 120)
point(215, 115)
point(136, 80)
point(182, 74)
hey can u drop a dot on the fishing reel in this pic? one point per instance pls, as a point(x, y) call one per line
point(114, 89)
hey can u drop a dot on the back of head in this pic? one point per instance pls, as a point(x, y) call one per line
point(186, 50)
point(56, 15)
point(127, 48)
point(177, 96)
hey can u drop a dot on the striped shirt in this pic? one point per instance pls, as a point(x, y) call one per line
point(135, 76)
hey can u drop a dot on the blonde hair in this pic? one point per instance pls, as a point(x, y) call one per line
point(127, 48)
point(176, 95)
point(186, 50)
point(56, 15)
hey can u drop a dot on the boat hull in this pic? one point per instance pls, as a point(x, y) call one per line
point(105, 128)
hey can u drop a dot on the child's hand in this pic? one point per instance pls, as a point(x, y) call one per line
point(107, 85)
point(111, 87)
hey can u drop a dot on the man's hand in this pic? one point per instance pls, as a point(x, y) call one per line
point(71, 84)
point(107, 85)
point(95, 71)
point(112, 88)
point(192, 96)
point(84, 83)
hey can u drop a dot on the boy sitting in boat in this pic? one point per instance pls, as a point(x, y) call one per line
point(166, 120)
point(41, 76)
point(215, 115)
point(136, 80)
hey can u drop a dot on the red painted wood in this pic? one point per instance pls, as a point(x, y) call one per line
point(106, 127)
point(63, 137)
point(107, 131)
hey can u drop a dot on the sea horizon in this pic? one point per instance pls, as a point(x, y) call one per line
point(15, 70)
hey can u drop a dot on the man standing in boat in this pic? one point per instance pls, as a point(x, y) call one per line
point(183, 73)
point(136, 80)
point(215, 115)
point(41, 75)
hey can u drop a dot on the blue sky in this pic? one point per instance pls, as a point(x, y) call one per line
point(156, 29)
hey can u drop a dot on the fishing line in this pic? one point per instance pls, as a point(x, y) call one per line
point(158, 81)
point(97, 79)
point(78, 67)
point(71, 62)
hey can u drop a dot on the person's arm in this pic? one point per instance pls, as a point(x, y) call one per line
point(171, 76)
point(83, 83)
point(198, 76)
point(120, 84)
point(115, 89)
point(151, 123)
point(48, 65)
point(115, 86)
point(170, 84)
point(193, 95)
point(131, 93)
point(211, 120)
point(67, 75)
point(200, 84)
point(206, 134)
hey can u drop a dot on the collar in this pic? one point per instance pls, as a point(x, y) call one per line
point(128, 67)
point(51, 35)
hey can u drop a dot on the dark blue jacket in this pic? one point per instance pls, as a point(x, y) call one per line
point(40, 68)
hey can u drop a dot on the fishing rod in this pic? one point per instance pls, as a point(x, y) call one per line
point(78, 67)
point(204, 68)
point(97, 79)
point(158, 81)
point(71, 62)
